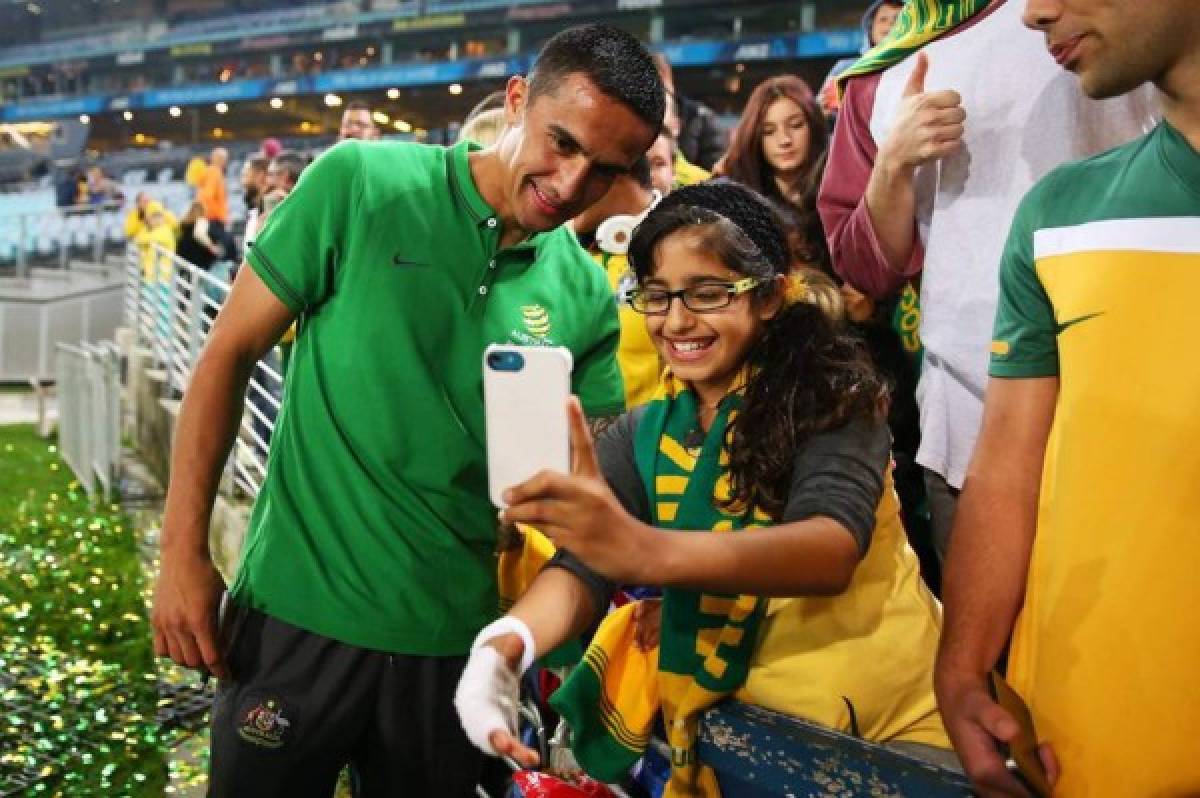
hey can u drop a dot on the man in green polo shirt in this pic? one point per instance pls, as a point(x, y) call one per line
point(368, 567)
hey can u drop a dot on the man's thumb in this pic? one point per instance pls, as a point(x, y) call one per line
point(916, 81)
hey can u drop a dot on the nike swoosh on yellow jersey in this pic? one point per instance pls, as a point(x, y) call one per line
point(1061, 327)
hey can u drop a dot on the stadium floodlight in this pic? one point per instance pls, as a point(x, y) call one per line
point(128, 115)
point(393, 94)
point(332, 100)
point(84, 119)
point(174, 111)
point(222, 108)
point(276, 103)
point(381, 118)
point(402, 126)
point(455, 88)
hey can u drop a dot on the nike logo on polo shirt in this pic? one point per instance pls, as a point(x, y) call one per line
point(1061, 327)
point(399, 260)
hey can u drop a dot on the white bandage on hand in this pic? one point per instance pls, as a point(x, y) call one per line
point(489, 690)
point(486, 698)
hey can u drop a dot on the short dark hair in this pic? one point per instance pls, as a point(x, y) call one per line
point(356, 105)
point(291, 162)
point(258, 163)
point(612, 59)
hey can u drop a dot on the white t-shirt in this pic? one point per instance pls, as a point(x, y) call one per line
point(1025, 116)
point(252, 224)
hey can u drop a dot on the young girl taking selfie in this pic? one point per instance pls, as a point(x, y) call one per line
point(755, 489)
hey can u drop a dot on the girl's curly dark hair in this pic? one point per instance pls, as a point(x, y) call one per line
point(809, 375)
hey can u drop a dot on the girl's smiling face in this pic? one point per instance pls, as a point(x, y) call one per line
point(705, 349)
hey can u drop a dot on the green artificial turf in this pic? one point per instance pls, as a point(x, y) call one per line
point(78, 690)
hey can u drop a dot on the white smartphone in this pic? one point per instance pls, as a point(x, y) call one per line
point(525, 392)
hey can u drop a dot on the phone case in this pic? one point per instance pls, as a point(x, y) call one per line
point(1024, 762)
point(526, 414)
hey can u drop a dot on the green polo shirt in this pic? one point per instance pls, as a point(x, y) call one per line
point(373, 525)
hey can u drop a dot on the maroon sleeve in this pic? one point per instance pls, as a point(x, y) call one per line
point(842, 202)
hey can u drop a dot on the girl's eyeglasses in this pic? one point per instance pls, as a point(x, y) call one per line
point(700, 298)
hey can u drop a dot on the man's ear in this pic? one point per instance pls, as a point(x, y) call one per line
point(516, 98)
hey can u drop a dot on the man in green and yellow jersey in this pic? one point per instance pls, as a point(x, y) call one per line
point(369, 563)
point(1077, 526)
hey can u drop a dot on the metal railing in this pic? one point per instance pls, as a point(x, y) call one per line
point(170, 305)
point(55, 236)
point(89, 413)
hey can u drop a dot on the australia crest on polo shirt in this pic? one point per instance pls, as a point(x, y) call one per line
point(265, 720)
point(535, 327)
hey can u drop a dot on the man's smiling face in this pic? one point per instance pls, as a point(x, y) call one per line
point(564, 149)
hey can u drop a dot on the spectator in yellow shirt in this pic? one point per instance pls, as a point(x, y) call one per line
point(158, 229)
point(136, 221)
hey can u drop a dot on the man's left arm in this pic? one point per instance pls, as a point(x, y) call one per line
point(596, 377)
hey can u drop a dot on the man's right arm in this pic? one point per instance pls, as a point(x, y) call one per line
point(189, 587)
point(855, 248)
point(868, 198)
point(986, 570)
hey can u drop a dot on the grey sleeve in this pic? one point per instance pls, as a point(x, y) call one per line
point(614, 450)
point(839, 475)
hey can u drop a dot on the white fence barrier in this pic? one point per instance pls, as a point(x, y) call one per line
point(89, 413)
point(170, 305)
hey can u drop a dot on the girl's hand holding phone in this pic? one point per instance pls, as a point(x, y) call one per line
point(579, 512)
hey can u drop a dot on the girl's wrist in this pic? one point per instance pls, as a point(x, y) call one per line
point(651, 556)
point(511, 648)
point(500, 634)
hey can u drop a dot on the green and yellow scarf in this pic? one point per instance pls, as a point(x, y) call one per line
point(919, 23)
point(706, 641)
